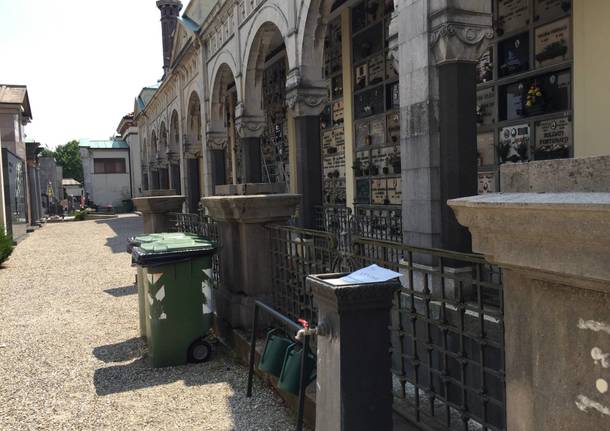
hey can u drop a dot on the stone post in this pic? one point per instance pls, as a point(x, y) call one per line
point(354, 381)
point(438, 45)
point(245, 253)
point(250, 129)
point(554, 249)
point(156, 210)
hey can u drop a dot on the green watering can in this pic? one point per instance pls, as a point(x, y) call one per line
point(272, 359)
point(291, 370)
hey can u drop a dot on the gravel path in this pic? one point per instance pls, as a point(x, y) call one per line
point(69, 353)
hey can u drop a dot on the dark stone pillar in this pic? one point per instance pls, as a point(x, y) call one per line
point(252, 169)
point(154, 180)
point(192, 185)
point(309, 166)
point(458, 155)
point(174, 174)
point(354, 383)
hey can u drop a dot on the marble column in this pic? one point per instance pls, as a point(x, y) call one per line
point(437, 46)
point(249, 131)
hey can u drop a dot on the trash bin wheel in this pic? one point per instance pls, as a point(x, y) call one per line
point(200, 351)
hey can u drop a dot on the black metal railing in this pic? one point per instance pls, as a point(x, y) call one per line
point(447, 321)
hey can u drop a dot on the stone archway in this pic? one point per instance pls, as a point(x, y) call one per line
point(266, 73)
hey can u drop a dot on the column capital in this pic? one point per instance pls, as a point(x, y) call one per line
point(249, 126)
point(216, 140)
point(460, 35)
point(307, 101)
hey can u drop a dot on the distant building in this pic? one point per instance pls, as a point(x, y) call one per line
point(106, 171)
point(128, 132)
point(15, 113)
point(73, 192)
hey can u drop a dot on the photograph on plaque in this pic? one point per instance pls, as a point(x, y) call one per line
point(486, 106)
point(514, 144)
point(361, 76)
point(513, 55)
point(393, 124)
point(549, 9)
point(512, 15)
point(552, 43)
point(376, 72)
point(363, 191)
point(485, 67)
point(337, 113)
point(362, 134)
point(553, 139)
point(487, 182)
point(486, 149)
point(377, 131)
point(379, 191)
point(394, 193)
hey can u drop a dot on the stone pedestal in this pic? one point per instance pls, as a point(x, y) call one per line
point(354, 382)
point(156, 209)
point(245, 254)
point(555, 252)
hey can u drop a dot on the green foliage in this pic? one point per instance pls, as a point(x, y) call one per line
point(68, 156)
point(6, 245)
point(80, 215)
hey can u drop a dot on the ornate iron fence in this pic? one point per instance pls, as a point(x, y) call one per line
point(447, 320)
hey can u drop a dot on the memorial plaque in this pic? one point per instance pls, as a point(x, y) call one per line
point(376, 69)
point(377, 131)
point(486, 106)
point(487, 182)
point(549, 9)
point(337, 113)
point(513, 55)
point(362, 76)
point(393, 96)
point(327, 141)
point(512, 101)
point(553, 139)
point(514, 144)
point(393, 125)
point(334, 191)
point(337, 86)
point(362, 134)
point(512, 15)
point(325, 118)
point(339, 139)
point(394, 191)
point(552, 43)
point(368, 102)
point(361, 164)
point(363, 191)
point(391, 67)
point(486, 149)
point(368, 42)
point(485, 67)
point(379, 190)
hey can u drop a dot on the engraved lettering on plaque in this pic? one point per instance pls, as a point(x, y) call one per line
point(379, 193)
point(378, 131)
point(553, 43)
point(486, 149)
point(338, 113)
point(487, 182)
point(393, 125)
point(362, 134)
point(376, 71)
point(512, 15)
point(394, 192)
point(549, 9)
point(486, 106)
point(553, 139)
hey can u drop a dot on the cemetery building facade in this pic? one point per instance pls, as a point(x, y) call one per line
point(388, 108)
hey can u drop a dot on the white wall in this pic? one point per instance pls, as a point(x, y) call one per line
point(109, 189)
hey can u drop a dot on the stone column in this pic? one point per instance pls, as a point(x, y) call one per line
point(249, 131)
point(438, 104)
point(306, 104)
point(354, 381)
point(245, 255)
point(554, 249)
point(155, 211)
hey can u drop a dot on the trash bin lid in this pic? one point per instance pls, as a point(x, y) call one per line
point(136, 241)
point(170, 249)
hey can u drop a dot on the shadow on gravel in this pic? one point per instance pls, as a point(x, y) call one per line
point(124, 227)
point(139, 374)
point(120, 352)
point(119, 292)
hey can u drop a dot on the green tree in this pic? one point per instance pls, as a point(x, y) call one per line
point(68, 157)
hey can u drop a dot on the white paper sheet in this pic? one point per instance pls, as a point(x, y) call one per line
point(370, 274)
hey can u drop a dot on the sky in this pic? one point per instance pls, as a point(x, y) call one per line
point(83, 61)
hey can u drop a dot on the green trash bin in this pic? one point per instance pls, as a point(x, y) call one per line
point(136, 241)
point(177, 292)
